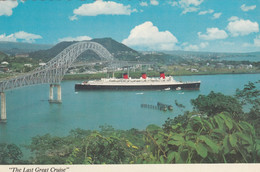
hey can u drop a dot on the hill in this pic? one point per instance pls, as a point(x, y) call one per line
point(113, 46)
point(210, 55)
point(50, 53)
point(2, 56)
point(118, 50)
point(20, 47)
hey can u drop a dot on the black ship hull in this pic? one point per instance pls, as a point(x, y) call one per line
point(183, 86)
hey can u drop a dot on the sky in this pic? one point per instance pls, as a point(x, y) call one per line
point(146, 25)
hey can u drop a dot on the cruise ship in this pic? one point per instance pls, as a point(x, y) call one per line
point(143, 83)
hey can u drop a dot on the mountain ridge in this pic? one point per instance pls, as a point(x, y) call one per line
point(114, 47)
point(13, 48)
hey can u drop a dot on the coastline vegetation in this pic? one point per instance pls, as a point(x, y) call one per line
point(218, 130)
point(154, 74)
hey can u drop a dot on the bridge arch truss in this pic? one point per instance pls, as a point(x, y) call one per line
point(54, 70)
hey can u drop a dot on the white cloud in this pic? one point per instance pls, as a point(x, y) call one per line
point(227, 43)
point(144, 4)
point(147, 36)
point(206, 12)
point(233, 18)
point(10, 38)
point(247, 8)
point(188, 5)
point(191, 48)
point(173, 3)
point(204, 44)
point(190, 2)
point(213, 34)
point(21, 35)
point(103, 8)
point(216, 15)
point(257, 41)
point(79, 38)
point(27, 37)
point(74, 17)
point(247, 45)
point(135, 10)
point(240, 27)
point(184, 43)
point(189, 10)
point(6, 7)
point(154, 2)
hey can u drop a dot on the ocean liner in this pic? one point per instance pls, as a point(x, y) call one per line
point(144, 83)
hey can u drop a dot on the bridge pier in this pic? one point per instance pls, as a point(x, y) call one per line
point(51, 93)
point(51, 99)
point(3, 108)
point(59, 93)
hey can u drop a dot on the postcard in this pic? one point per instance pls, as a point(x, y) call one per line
point(129, 84)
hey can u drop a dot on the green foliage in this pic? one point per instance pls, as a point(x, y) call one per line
point(250, 97)
point(2, 56)
point(215, 103)
point(109, 146)
point(217, 139)
point(10, 154)
point(178, 120)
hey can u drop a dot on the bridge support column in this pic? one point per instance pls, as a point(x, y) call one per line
point(59, 93)
point(51, 98)
point(3, 108)
point(51, 93)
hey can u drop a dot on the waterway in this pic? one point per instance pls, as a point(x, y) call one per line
point(29, 113)
point(250, 58)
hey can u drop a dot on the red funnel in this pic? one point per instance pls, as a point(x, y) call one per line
point(162, 75)
point(144, 76)
point(125, 76)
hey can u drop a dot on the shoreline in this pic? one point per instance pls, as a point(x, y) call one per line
point(134, 75)
point(92, 76)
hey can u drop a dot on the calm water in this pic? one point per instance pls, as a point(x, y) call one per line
point(29, 112)
point(252, 59)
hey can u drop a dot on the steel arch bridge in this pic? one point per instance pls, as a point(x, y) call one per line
point(53, 72)
point(55, 69)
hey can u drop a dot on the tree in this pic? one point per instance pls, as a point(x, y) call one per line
point(249, 97)
point(215, 103)
point(109, 146)
point(10, 153)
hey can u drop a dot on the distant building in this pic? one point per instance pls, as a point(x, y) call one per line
point(220, 65)
point(4, 69)
point(194, 70)
point(230, 66)
point(4, 63)
point(42, 64)
point(28, 65)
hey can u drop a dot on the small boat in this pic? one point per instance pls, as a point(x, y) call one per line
point(167, 89)
point(178, 88)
